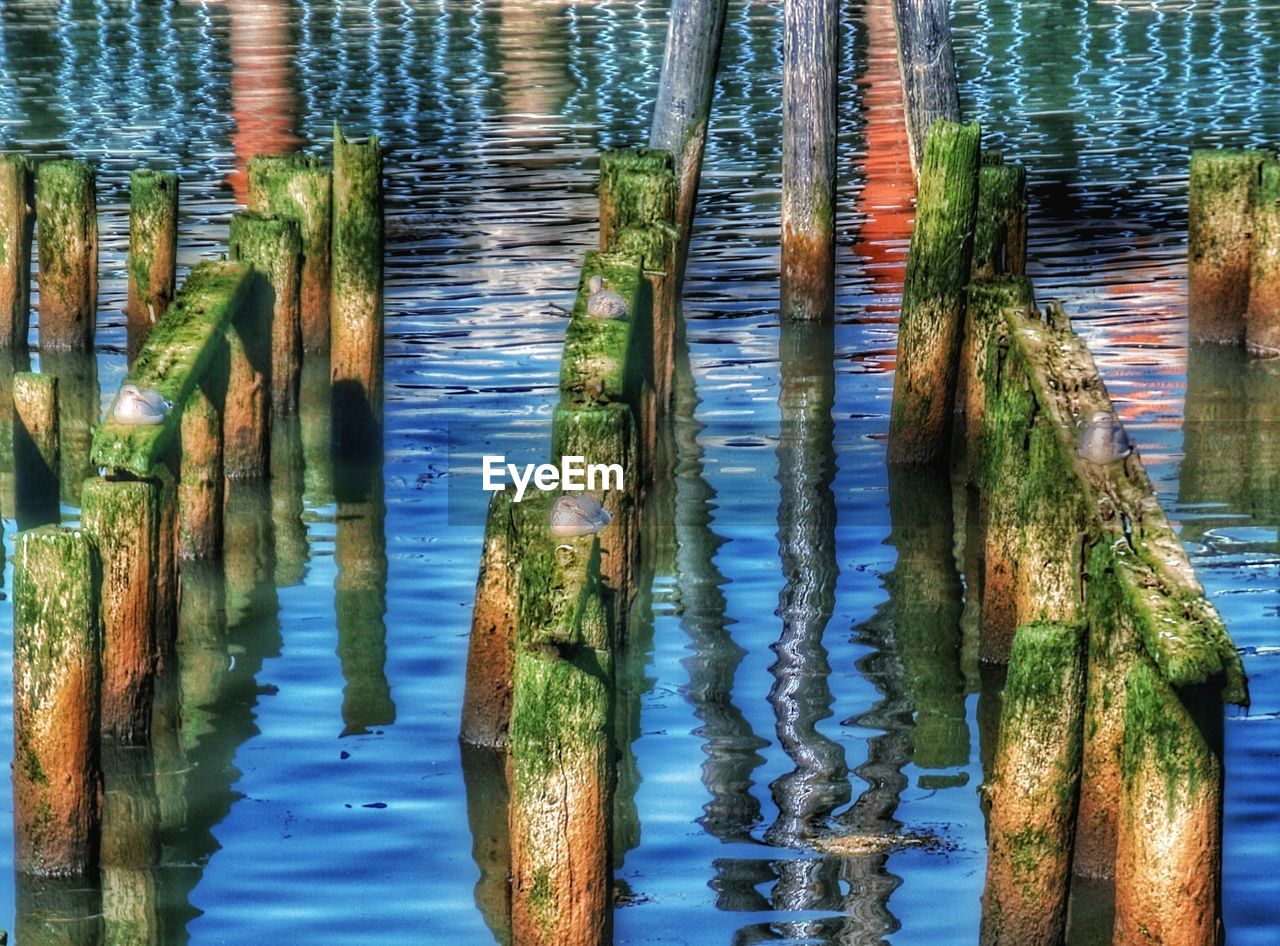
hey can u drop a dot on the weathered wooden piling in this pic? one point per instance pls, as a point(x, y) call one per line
point(355, 305)
point(200, 472)
point(36, 445)
point(153, 251)
point(1033, 789)
point(17, 221)
point(246, 409)
point(486, 704)
point(933, 296)
point(273, 247)
point(298, 187)
point(56, 684)
point(810, 62)
point(122, 517)
point(1000, 225)
point(928, 68)
point(1262, 319)
point(67, 217)
point(1219, 229)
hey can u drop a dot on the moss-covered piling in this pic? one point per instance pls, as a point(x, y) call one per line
point(1000, 227)
point(122, 516)
point(273, 247)
point(355, 307)
point(1033, 789)
point(153, 251)
point(246, 410)
point(486, 705)
point(299, 187)
point(1262, 319)
point(1219, 231)
point(67, 217)
point(933, 296)
point(36, 449)
point(17, 221)
point(56, 684)
point(200, 472)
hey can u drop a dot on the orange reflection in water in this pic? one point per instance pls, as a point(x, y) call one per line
point(264, 100)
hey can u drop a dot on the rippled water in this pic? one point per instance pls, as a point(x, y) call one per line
point(318, 793)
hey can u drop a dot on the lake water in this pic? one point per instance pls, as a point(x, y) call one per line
point(311, 789)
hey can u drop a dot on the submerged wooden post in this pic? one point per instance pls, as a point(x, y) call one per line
point(298, 187)
point(36, 446)
point(121, 515)
point(682, 108)
point(1219, 228)
point(1000, 226)
point(273, 246)
point(153, 251)
point(56, 646)
point(928, 67)
point(810, 63)
point(67, 217)
point(17, 220)
point(356, 301)
point(1262, 319)
point(246, 413)
point(1033, 790)
point(933, 296)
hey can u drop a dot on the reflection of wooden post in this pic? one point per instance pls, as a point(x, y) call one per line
point(314, 409)
point(131, 905)
point(273, 246)
point(79, 404)
point(484, 773)
point(36, 446)
point(56, 643)
point(17, 219)
point(153, 251)
point(928, 70)
point(12, 363)
point(121, 515)
point(67, 214)
point(1219, 224)
point(58, 911)
point(292, 550)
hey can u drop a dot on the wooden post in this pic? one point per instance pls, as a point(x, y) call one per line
point(1033, 789)
point(928, 67)
point(17, 220)
point(810, 58)
point(121, 515)
point(933, 296)
point(153, 251)
point(167, 555)
point(486, 705)
point(1169, 843)
point(56, 684)
point(1262, 319)
point(273, 246)
point(67, 215)
point(682, 108)
point(356, 301)
point(296, 186)
point(246, 413)
point(1219, 226)
point(36, 460)
point(1000, 226)
point(200, 472)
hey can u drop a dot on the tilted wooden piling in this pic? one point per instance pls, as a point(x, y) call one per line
point(933, 296)
point(355, 305)
point(153, 251)
point(298, 187)
point(273, 247)
point(1219, 225)
point(122, 518)
point(1262, 319)
point(36, 446)
point(67, 219)
point(17, 221)
point(927, 62)
point(56, 684)
point(810, 63)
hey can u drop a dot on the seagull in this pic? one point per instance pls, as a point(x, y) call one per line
point(137, 407)
point(578, 515)
point(1104, 440)
point(604, 303)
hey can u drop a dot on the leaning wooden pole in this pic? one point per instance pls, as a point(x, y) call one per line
point(153, 251)
point(928, 69)
point(67, 219)
point(810, 59)
point(17, 220)
point(56, 642)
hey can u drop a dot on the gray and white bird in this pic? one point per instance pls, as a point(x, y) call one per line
point(604, 303)
point(140, 408)
point(1104, 440)
point(578, 515)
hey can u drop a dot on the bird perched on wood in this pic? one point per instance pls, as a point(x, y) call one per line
point(578, 515)
point(604, 303)
point(138, 407)
point(1104, 440)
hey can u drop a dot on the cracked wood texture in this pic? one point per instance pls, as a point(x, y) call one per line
point(928, 69)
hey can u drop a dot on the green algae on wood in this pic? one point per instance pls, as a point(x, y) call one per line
point(933, 296)
point(200, 470)
point(602, 361)
point(36, 449)
point(246, 410)
point(1000, 226)
point(1219, 229)
point(67, 220)
point(1262, 318)
point(56, 682)
point(179, 349)
point(1033, 789)
point(153, 251)
point(637, 189)
point(355, 310)
point(273, 247)
point(299, 187)
point(17, 221)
